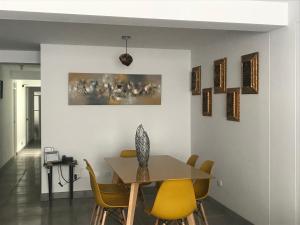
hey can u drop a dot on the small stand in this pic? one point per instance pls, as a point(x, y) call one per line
point(49, 167)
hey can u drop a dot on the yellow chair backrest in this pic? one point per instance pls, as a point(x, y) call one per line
point(89, 166)
point(175, 200)
point(192, 160)
point(95, 186)
point(128, 153)
point(201, 186)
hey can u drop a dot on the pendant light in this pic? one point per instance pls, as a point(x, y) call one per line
point(125, 58)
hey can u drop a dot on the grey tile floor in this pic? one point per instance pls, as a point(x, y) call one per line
point(20, 200)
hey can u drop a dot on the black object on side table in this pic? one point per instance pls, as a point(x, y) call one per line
point(49, 166)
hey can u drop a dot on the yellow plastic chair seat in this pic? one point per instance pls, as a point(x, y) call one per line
point(115, 200)
point(112, 188)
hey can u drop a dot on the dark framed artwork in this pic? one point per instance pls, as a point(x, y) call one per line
point(220, 75)
point(1, 89)
point(250, 70)
point(196, 80)
point(233, 104)
point(207, 102)
point(114, 89)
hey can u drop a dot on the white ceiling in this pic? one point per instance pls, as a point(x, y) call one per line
point(24, 25)
point(27, 35)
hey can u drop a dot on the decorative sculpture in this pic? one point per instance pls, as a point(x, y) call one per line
point(142, 145)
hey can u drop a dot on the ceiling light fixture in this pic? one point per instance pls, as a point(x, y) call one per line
point(126, 59)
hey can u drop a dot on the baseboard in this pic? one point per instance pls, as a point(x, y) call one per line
point(60, 195)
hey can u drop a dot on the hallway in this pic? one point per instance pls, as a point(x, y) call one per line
point(20, 196)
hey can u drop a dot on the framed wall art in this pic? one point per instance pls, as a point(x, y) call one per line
point(114, 89)
point(250, 70)
point(207, 102)
point(1, 89)
point(220, 75)
point(233, 104)
point(196, 80)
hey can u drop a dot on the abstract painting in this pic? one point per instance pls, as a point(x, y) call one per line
point(207, 101)
point(114, 89)
point(220, 75)
point(196, 80)
point(233, 104)
point(250, 73)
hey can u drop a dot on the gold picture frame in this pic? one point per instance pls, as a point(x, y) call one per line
point(207, 101)
point(196, 80)
point(233, 104)
point(220, 75)
point(250, 73)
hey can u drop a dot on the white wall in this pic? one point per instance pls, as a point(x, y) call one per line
point(239, 149)
point(256, 158)
point(298, 120)
point(6, 118)
point(283, 119)
point(8, 73)
point(95, 132)
point(14, 56)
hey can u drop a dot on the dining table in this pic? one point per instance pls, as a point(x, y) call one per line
point(160, 168)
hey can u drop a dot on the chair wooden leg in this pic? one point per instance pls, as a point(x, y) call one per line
point(202, 211)
point(93, 214)
point(100, 215)
point(97, 213)
point(104, 217)
point(141, 195)
point(191, 219)
point(124, 216)
point(156, 222)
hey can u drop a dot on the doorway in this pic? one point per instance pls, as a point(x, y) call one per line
point(27, 114)
point(33, 116)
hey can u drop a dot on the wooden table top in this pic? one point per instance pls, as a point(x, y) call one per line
point(160, 168)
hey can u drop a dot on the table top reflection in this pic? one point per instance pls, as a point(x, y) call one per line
point(160, 168)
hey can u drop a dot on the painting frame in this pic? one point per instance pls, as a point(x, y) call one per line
point(220, 75)
point(207, 101)
point(1, 89)
point(250, 73)
point(233, 104)
point(196, 80)
point(114, 89)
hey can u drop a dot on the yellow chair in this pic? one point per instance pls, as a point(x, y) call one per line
point(116, 198)
point(192, 160)
point(128, 153)
point(107, 188)
point(175, 200)
point(201, 187)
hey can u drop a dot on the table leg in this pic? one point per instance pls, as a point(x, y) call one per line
point(71, 179)
point(191, 219)
point(50, 170)
point(132, 203)
point(115, 178)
